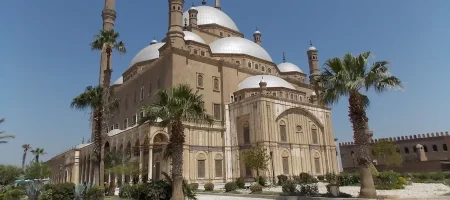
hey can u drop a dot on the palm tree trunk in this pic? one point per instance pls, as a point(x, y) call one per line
point(362, 136)
point(37, 158)
point(24, 157)
point(177, 141)
point(105, 116)
point(98, 142)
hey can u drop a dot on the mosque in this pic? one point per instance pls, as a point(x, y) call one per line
point(254, 102)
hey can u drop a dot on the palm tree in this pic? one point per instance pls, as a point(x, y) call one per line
point(106, 41)
point(179, 104)
point(2, 137)
point(92, 99)
point(37, 152)
point(26, 148)
point(348, 77)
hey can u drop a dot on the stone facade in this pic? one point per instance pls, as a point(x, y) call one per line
point(287, 121)
point(420, 153)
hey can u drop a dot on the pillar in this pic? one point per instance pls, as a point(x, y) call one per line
point(150, 162)
point(76, 168)
point(141, 163)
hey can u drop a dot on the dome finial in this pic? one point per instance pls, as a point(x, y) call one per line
point(310, 43)
point(193, 4)
point(284, 57)
point(204, 2)
point(262, 83)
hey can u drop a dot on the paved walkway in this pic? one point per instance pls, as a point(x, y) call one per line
point(216, 197)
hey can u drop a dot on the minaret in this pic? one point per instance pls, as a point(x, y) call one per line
point(109, 17)
point(175, 34)
point(257, 37)
point(313, 61)
point(193, 17)
point(218, 5)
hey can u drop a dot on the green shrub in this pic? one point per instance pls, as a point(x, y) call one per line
point(2, 195)
point(289, 187)
point(193, 186)
point(309, 190)
point(389, 180)
point(14, 194)
point(209, 186)
point(282, 179)
point(240, 182)
point(45, 195)
point(402, 180)
point(126, 191)
point(374, 170)
point(261, 180)
point(321, 177)
point(94, 193)
point(348, 179)
point(61, 191)
point(255, 188)
point(304, 178)
point(230, 186)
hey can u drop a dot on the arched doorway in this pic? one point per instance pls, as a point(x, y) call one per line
point(158, 164)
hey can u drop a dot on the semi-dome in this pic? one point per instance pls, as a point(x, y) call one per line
point(190, 36)
point(272, 81)
point(288, 67)
point(312, 48)
point(119, 81)
point(210, 15)
point(148, 53)
point(237, 45)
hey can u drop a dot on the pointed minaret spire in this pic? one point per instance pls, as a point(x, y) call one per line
point(185, 24)
point(284, 57)
point(82, 141)
point(175, 35)
point(204, 2)
point(257, 37)
point(109, 17)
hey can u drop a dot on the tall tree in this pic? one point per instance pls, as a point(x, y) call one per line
point(38, 152)
point(106, 41)
point(8, 174)
point(173, 107)
point(91, 99)
point(3, 137)
point(348, 77)
point(387, 151)
point(255, 158)
point(26, 148)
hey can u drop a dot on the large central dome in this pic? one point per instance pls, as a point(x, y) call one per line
point(237, 45)
point(210, 15)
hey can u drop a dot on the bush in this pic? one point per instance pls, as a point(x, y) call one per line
point(61, 191)
point(309, 190)
point(209, 186)
point(389, 180)
point(304, 178)
point(240, 182)
point(254, 188)
point(231, 186)
point(126, 191)
point(374, 170)
point(94, 193)
point(14, 194)
point(348, 179)
point(402, 180)
point(194, 186)
point(289, 187)
point(45, 195)
point(321, 177)
point(282, 179)
point(261, 180)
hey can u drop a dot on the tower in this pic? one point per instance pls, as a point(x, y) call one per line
point(193, 17)
point(257, 37)
point(313, 62)
point(109, 17)
point(175, 34)
point(218, 5)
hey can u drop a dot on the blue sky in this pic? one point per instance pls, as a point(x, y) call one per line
point(45, 59)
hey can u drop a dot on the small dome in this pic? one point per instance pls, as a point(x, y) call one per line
point(237, 45)
point(272, 81)
point(192, 8)
point(154, 41)
point(190, 36)
point(119, 81)
point(210, 15)
point(257, 32)
point(311, 48)
point(289, 67)
point(148, 53)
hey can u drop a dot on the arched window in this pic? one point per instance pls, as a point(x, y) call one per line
point(317, 163)
point(425, 148)
point(200, 80)
point(283, 136)
point(216, 84)
point(285, 162)
point(444, 147)
point(256, 66)
point(218, 165)
point(314, 135)
point(250, 64)
point(246, 133)
point(269, 70)
point(406, 150)
point(201, 165)
point(414, 149)
point(435, 147)
point(263, 68)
